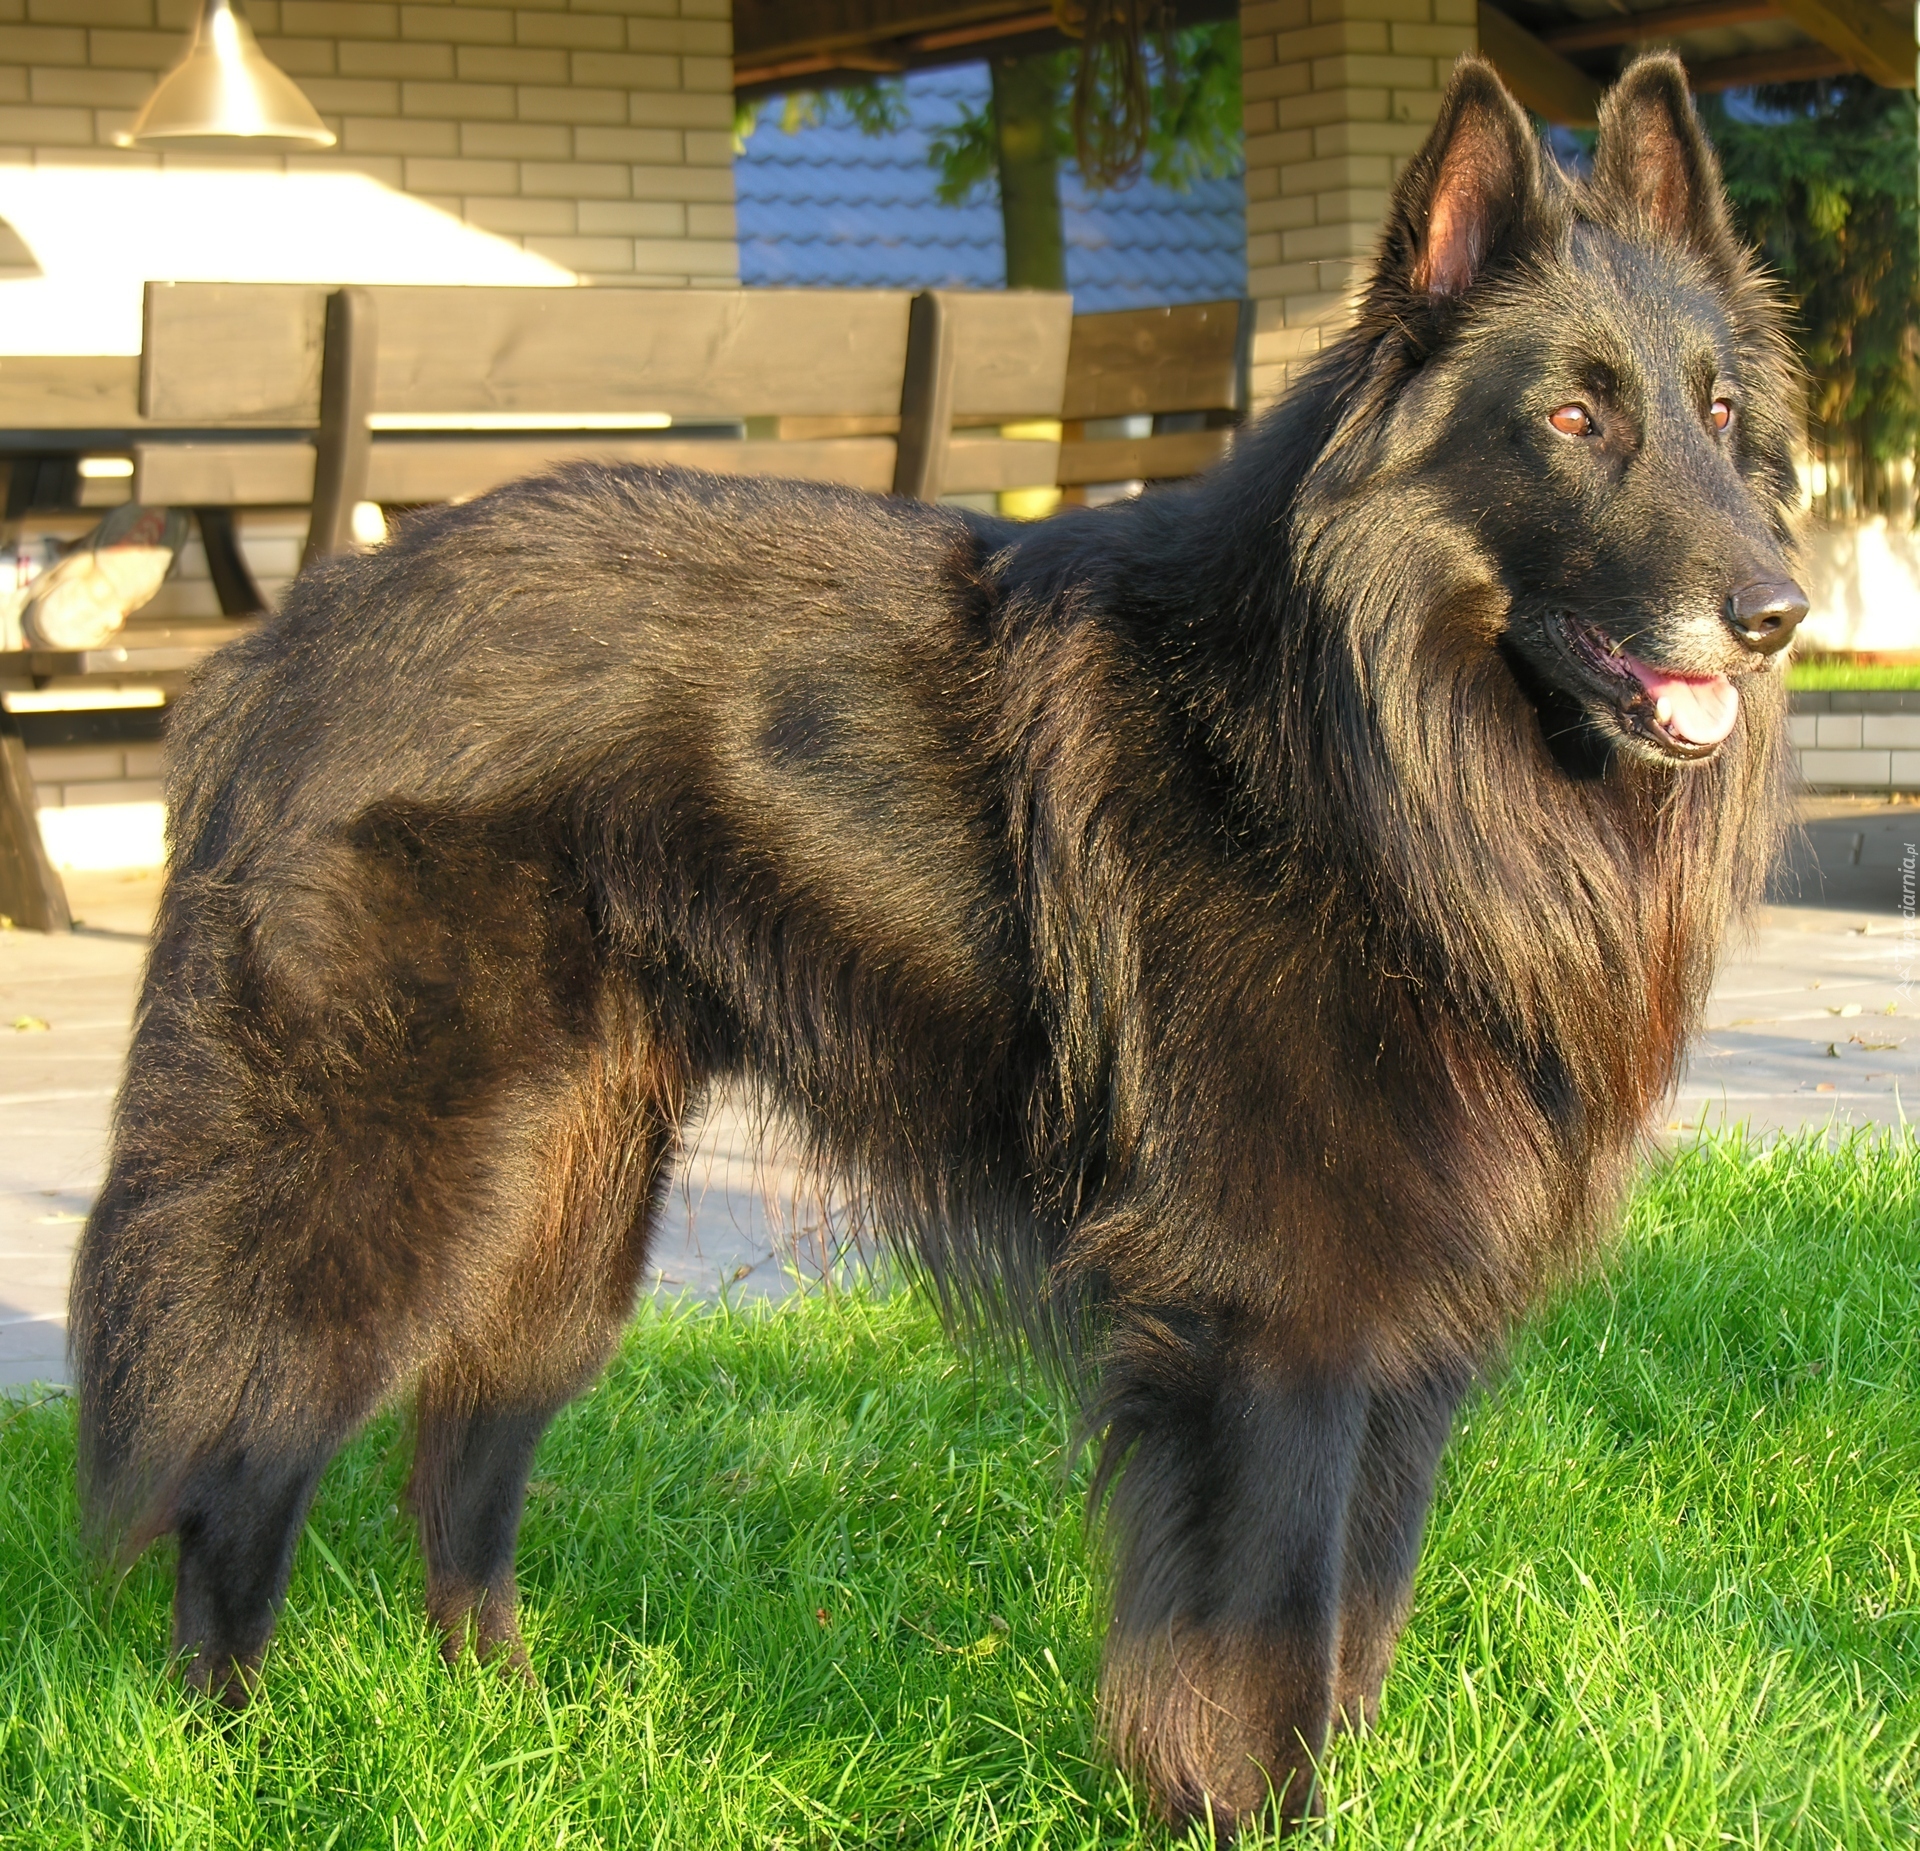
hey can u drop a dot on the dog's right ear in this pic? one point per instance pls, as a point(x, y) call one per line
point(1467, 193)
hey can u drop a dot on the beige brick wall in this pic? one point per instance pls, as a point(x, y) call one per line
point(1339, 94)
point(595, 132)
point(80, 777)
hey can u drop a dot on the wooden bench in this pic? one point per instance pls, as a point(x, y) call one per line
point(264, 395)
point(435, 394)
point(1185, 368)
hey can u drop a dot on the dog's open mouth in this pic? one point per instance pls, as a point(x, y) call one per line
point(1686, 716)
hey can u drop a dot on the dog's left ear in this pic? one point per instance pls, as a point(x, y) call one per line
point(1654, 159)
point(1468, 192)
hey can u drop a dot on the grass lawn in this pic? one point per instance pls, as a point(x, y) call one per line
point(807, 1580)
point(1837, 672)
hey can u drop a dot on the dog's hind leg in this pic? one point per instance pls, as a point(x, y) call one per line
point(1407, 1430)
point(231, 1327)
point(239, 1516)
point(469, 1484)
point(542, 1335)
point(215, 1384)
point(298, 1329)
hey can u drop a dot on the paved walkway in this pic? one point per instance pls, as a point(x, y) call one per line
point(1816, 1020)
point(1810, 1025)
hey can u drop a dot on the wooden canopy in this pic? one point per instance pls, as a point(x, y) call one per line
point(1556, 55)
point(788, 44)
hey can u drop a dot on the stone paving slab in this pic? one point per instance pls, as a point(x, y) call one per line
point(1815, 1023)
point(56, 1086)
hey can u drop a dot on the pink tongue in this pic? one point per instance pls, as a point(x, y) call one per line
point(1700, 709)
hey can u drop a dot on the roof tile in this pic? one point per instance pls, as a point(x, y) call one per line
point(829, 207)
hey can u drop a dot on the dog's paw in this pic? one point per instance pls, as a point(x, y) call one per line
point(223, 1677)
point(488, 1631)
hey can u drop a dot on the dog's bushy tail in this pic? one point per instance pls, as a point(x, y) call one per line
point(163, 1315)
point(161, 1336)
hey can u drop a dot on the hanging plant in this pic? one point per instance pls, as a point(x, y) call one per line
point(1112, 110)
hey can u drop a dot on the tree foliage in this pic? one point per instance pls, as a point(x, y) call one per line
point(1824, 182)
point(877, 107)
point(1192, 120)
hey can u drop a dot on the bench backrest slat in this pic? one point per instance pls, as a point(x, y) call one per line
point(445, 469)
point(256, 474)
point(1010, 353)
point(1184, 366)
point(236, 353)
point(1134, 361)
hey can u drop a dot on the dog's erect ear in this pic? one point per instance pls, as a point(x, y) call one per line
point(1654, 159)
point(1466, 193)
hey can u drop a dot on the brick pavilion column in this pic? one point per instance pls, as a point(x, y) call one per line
point(1339, 94)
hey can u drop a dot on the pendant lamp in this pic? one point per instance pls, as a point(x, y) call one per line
point(226, 96)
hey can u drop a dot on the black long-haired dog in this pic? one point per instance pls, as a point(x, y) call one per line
point(1236, 938)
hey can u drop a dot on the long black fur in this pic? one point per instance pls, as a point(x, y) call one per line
point(1233, 938)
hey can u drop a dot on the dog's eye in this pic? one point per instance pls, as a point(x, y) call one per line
point(1721, 413)
point(1572, 421)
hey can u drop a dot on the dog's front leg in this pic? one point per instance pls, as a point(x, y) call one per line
point(1407, 1427)
point(1237, 1450)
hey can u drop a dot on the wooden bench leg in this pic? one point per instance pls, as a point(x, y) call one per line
point(226, 565)
point(31, 892)
point(343, 446)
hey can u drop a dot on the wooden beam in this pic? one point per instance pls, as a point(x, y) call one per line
point(1872, 39)
point(773, 34)
point(926, 399)
point(225, 475)
point(1791, 64)
point(1662, 22)
point(747, 72)
point(58, 393)
point(768, 30)
point(350, 356)
point(1010, 353)
point(220, 354)
point(951, 40)
point(266, 475)
point(141, 648)
point(1540, 78)
point(978, 462)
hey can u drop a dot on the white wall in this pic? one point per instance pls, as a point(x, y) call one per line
point(1863, 583)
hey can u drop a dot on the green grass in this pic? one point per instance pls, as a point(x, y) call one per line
point(1838, 672)
point(807, 1580)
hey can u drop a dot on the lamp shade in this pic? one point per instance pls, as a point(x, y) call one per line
point(16, 255)
point(226, 95)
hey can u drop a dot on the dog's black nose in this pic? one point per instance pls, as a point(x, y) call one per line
point(1765, 613)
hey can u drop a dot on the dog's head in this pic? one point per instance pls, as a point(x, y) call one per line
point(1593, 391)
